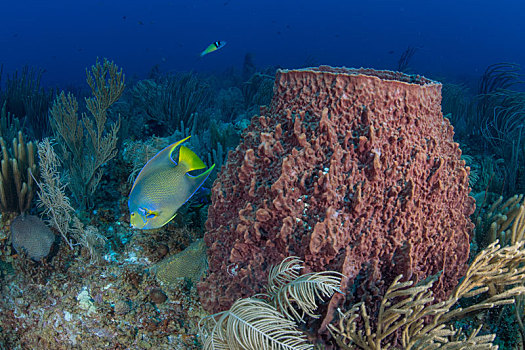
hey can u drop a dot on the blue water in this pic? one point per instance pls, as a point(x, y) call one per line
point(454, 39)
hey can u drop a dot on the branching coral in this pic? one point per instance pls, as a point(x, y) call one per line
point(18, 165)
point(500, 221)
point(52, 196)
point(17, 175)
point(423, 323)
point(9, 123)
point(88, 143)
point(26, 98)
point(499, 116)
point(172, 101)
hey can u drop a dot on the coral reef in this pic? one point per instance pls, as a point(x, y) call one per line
point(352, 170)
point(25, 98)
point(114, 304)
point(89, 142)
point(104, 285)
point(269, 320)
point(189, 263)
point(490, 122)
point(17, 185)
point(406, 306)
point(31, 235)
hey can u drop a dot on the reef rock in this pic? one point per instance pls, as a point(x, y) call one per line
point(30, 234)
point(352, 170)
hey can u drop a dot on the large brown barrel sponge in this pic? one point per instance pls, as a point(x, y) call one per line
point(352, 170)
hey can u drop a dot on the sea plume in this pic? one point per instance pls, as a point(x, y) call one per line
point(268, 321)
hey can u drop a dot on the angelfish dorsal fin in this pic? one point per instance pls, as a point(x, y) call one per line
point(164, 157)
point(173, 147)
point(160, 160)
point(189, 160)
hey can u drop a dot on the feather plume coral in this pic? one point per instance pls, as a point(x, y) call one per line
point(252, 323)
point(286, 286)
point(268, 321)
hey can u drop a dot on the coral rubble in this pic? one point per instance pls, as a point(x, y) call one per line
point(113, 304)
point(352, 170)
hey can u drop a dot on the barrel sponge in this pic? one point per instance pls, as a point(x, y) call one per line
point(30, 234)
point(351, 170)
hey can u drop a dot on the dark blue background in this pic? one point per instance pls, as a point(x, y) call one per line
point(455, 38)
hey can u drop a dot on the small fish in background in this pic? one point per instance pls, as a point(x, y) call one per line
point(213, 47)
point(163, 186)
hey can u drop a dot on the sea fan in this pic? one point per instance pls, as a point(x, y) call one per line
point(255, 323)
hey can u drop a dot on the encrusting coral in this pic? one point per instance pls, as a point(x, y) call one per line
point(352, 170)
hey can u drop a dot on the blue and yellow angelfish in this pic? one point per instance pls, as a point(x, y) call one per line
point(163, 186)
